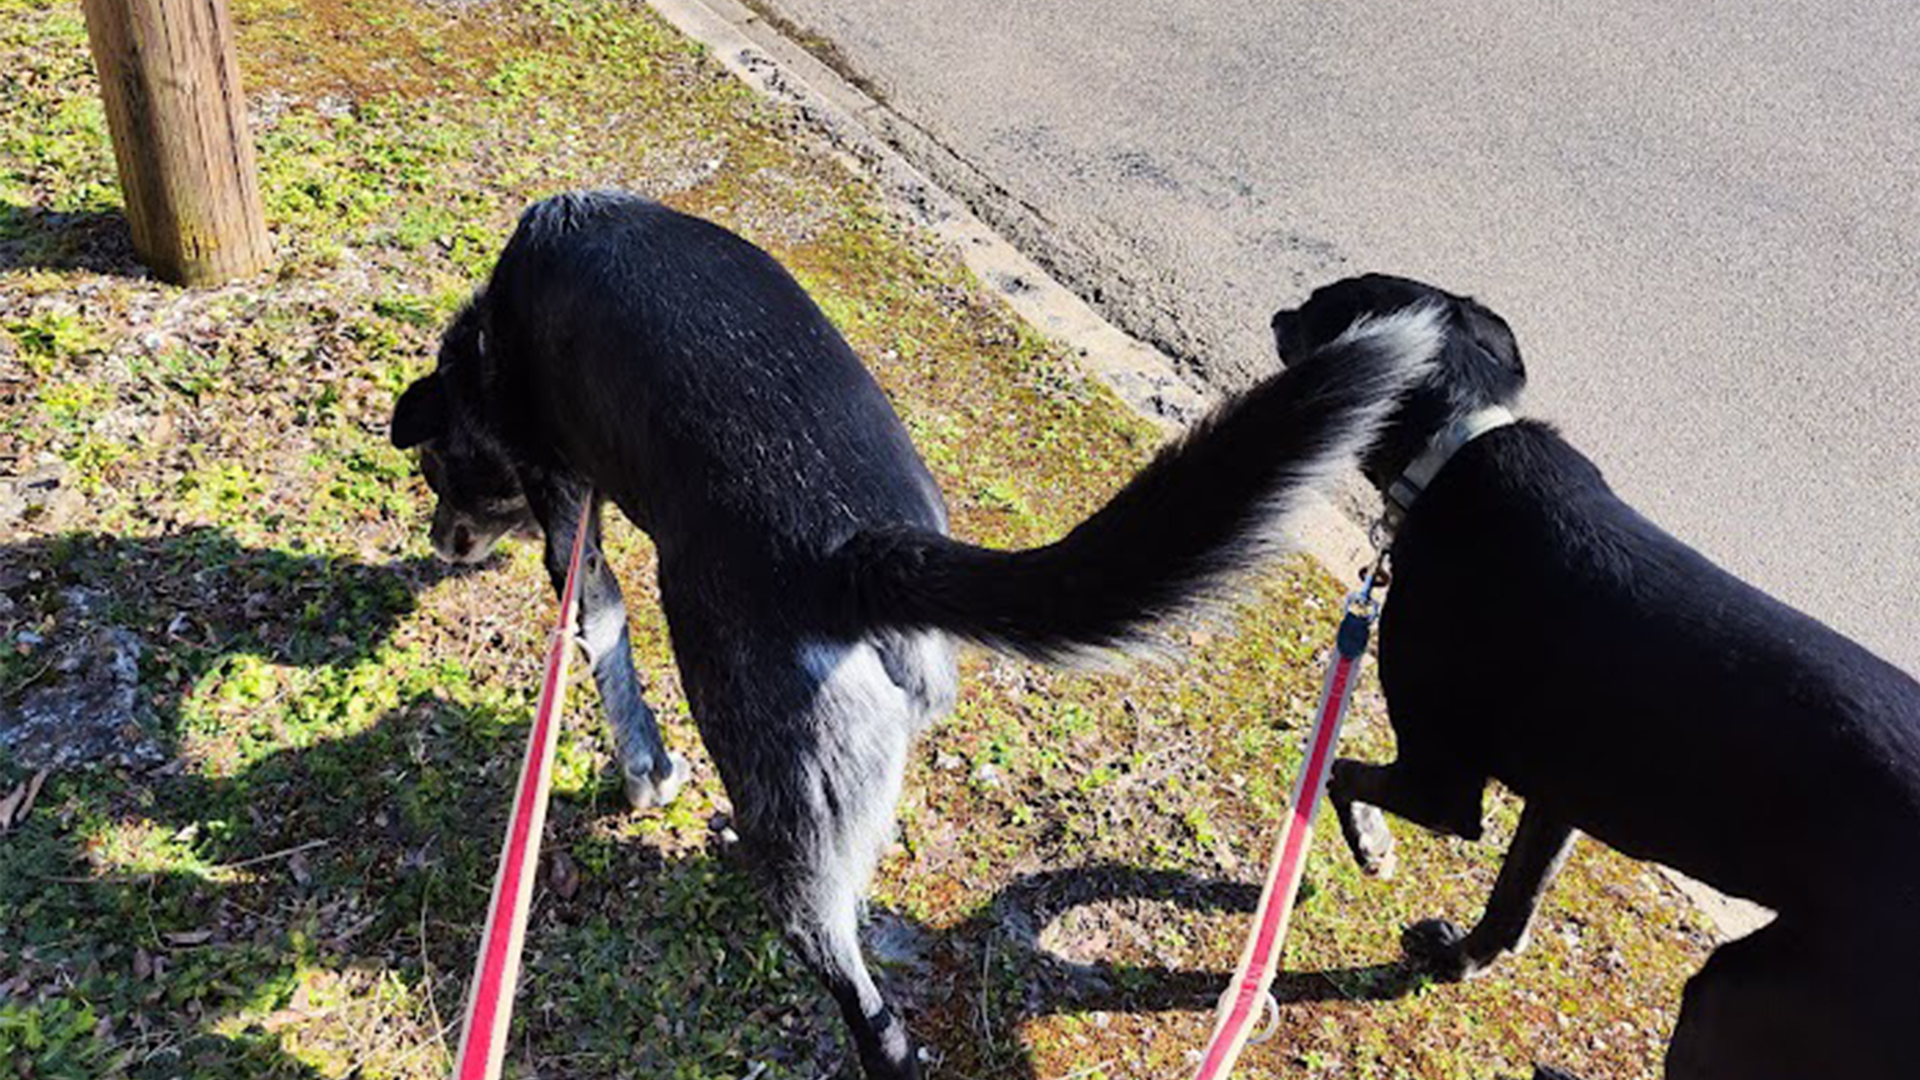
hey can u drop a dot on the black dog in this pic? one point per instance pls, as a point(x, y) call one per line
point(1541, 632)
point(666, 364)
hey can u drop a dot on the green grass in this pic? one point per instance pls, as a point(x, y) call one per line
point(296, 889)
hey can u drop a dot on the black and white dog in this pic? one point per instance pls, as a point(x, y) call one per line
point(663, 363)
point(1541, 632)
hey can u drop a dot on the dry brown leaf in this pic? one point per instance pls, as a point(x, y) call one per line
point(33, 792)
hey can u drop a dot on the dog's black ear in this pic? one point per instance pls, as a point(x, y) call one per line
point(1494, 336)
point(421, 413)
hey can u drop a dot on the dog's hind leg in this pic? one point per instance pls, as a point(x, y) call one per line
point(651, 774)
point(1779, 1004)
point(819, 908)
point(1442, 799)
point(1539, 850)
point(814, 804)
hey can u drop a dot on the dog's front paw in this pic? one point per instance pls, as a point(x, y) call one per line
point(655, 788)
point(1370, 839)
point(1436, 946)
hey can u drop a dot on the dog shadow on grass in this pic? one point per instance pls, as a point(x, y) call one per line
point(1034, 968)
point(275, 858)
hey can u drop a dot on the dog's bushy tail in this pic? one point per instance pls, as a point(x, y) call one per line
point(1209, 507)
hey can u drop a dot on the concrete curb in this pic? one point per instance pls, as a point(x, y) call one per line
point(767, 60)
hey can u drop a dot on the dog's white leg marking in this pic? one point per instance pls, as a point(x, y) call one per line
point(651, 775)
point(602, 629)
point(865, 721)
point(865, 710)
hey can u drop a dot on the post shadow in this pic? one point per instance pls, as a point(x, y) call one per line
point(100, 241)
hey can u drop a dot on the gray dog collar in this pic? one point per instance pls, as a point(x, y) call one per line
point(1465, 428)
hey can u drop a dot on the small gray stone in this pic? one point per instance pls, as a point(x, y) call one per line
point(90, 713)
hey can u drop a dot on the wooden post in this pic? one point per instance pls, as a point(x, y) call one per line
point(172, 91)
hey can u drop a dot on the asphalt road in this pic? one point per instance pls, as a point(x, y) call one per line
point(1703, 220)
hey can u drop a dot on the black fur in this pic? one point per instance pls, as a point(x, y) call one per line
point(1182, 528)
point(1541, 632)
point(672, 367)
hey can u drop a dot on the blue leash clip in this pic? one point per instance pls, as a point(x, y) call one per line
point(1356, 626)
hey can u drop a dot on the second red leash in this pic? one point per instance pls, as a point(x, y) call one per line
point(1260, 961)
point(483, 1038)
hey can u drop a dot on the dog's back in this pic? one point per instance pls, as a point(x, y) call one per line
point(686, 375)
point(1636, 684)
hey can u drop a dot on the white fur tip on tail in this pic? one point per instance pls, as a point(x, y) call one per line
point(1413, 334)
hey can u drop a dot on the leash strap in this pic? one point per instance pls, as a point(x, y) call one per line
point(483, 1040)
point(1244, 999)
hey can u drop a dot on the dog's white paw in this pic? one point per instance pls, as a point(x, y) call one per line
point(646, 792)
point(1372, 841)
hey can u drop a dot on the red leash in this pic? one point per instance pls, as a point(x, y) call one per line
point(483, 1041)
point(1261, 959)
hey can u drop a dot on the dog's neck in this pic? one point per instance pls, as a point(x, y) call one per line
point(1412, 483)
